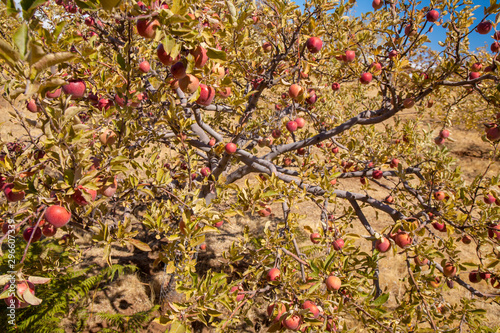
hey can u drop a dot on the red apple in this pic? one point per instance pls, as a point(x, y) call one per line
point(312, 308)
point(383, 245)
point(489, 199)
point(476, 67)
point(273, 274)
point(350, 56)
point(466, 239)
point(432, 16)
point(11, 195)
point(21, 289)
point(104, 104)
point(230, 148)
point(300, 122)
point(78, 197)
point(436, 282)
point(409, 31)
point(444, 133)
point(402, 239)
point(276, 133)
point(75, 88)
point(267, 47)
point(376, 67)
point(439, 226)
point(484, 27)
point(495, 47)
point(315, 238)
point(439, 140)
point(280, 310)
point(439, 195)
point(311, 98)
point(494, 231)
point(335, 86)
point(493, 133)
point(294, 91)
point(333, 283)
point(200, 56)
point(49, 230)
point(31, 106)
point(393, 54)
point(144, 66)
point(207, 94)
point(219, 224)
point(53, 94)
point(420, 261)
point(108, 137)
point(291, 126)
point(338, 244)
point(474, 75)
point(449, 270)
point(475, 276)
point(377, 174)
point(408, 103)
point(265, 212)
point(189, 84)
point(265, 142)
point(314, 44)
point(146, 28)
point(57, 216)
point(394, 163)
point(109, 190)
point(377, 4)
point(205, 171)
point(178, 70)
point(365, 78)
point(219, 72)
point(292, 322)
point(164, 57)
point(37, 234)
point(224, 92)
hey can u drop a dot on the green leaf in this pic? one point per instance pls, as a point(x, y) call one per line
point(8, 53)
point(71, 112)
point(140, 245)
point(30, 298)
point(86, 5)
point(493, 264)
point(121, 61)
point(21, 40)
point(380, 300)
point(216, 54)
point(38, 280)
point(232, 9)
point(52, 59)
point(109, 4)
point(4, 279)
point(11, 7)
point(5, 294)
point(28, 5)
point(59, 28)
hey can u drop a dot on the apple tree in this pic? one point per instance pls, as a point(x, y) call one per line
point(170, 120)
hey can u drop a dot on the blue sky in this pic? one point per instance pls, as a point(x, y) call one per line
point(476, 40)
